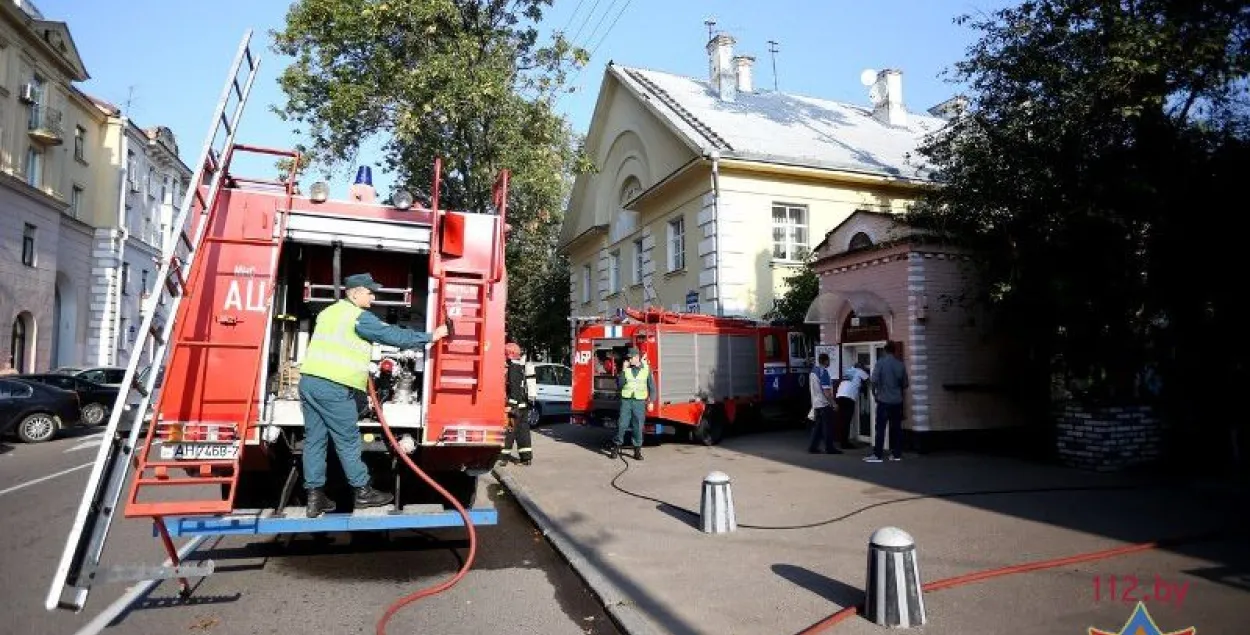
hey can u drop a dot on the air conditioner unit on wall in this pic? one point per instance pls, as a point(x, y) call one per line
point(29, 94)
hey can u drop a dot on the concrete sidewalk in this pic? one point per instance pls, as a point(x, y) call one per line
point(657, 573)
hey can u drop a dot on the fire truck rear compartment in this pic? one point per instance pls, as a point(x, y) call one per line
point(306, 286)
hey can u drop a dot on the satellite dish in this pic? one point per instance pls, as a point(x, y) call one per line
point(868, 77)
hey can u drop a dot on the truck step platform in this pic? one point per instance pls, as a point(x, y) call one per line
point(253, 522)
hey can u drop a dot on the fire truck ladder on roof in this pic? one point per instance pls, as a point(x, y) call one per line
point(462, 299)
point(79, 566)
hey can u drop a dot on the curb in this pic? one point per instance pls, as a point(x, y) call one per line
point(617, 604)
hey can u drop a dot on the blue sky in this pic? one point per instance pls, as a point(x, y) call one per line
point(169, 59)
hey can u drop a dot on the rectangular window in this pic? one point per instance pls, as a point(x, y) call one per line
point(80, 143)
point(34, 167)
point(585, 284)
point(677, 244)
point(28, 245)
point(125, 278)
point(75, 202)
point(638, 261)
point(143, 281)
point(789, 232)
point(614, 271)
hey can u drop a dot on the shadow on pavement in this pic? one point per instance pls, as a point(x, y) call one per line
point(836, 591)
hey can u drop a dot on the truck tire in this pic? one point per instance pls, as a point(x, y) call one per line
point(711, 428)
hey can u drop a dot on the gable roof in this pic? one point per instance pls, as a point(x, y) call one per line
point(777, 127)
point(56, 36)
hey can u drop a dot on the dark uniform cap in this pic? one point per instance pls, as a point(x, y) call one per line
point(361, 280)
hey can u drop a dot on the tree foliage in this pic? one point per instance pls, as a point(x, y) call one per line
point(1100, 147)
point(466, 81)
point(802, 287)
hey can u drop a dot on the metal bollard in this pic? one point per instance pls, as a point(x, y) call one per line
point(893, 593)
point(717, 506)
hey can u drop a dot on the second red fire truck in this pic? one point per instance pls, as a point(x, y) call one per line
point(710, 372)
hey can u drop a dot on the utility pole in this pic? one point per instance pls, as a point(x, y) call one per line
point(772, 49)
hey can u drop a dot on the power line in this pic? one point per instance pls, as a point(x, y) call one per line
point(601, 19)
point(589, 14)
point(571, 16)
point(602, 39)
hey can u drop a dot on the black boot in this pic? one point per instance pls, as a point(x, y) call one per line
point(637, 453)
point(318, 503)
point(368, 497)
point(614, 451)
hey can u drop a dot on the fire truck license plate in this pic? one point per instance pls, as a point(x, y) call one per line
point(200, 451)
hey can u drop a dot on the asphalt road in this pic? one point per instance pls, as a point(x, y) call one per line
point(517, 584)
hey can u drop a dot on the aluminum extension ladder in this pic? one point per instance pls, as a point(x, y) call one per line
point(79, 567)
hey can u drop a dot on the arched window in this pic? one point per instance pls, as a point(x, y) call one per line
point(17, 345)
point(859, 241)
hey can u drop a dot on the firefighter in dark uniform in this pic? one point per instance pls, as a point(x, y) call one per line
point(637, 386)
point(518, 408)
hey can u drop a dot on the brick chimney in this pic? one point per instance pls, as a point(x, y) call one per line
point(743, 64)
point(887, 98)
point(721, 76)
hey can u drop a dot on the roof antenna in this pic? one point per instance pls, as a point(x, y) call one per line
point(772, 49)
point(711, 28)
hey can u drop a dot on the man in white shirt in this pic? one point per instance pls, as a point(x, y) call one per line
point(822, 389)
point(848, 393)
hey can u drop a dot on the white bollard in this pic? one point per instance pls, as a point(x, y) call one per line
point(893, 591)
point(717, 506)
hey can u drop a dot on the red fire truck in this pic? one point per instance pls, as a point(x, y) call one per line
point(710, 372)
point(253, 262)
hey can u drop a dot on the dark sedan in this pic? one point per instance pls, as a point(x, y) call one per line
point(34, 411)
point(96, 399)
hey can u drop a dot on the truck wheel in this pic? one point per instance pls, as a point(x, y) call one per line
point(711, 428)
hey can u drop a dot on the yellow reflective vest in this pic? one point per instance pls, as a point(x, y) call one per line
point(335, 351)
point(635, 382)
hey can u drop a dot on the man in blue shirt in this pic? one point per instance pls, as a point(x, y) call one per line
point(889, 382)
point(334, 372)
point(821, 386)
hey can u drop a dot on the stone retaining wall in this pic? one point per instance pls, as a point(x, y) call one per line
point(1108, 438)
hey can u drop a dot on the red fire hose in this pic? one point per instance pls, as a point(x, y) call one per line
point(468, 523)
point(978, 576)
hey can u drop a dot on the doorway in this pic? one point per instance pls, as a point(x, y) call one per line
point(863, 423)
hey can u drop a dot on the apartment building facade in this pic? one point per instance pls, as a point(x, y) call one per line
point(76, 232)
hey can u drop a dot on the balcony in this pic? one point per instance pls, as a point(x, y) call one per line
point(45, 127)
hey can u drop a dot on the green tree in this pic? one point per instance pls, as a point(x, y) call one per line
point(1099, 146)
point(464, 80)
point(802, 287)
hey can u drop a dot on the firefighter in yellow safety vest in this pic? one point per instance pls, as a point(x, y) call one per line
point(637, 387)
point(334, 372)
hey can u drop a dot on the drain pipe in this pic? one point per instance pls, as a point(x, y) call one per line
point(714, 155)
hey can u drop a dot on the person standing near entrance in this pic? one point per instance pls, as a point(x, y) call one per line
point(821, 385)
point(637, 385)
point(334, 371)
point(847, 397)
point(889, 383)
point(518, 407)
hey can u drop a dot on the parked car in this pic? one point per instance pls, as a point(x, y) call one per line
point(96, 399)
point(35, 411)
point(103, 375)
point(554, 383)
